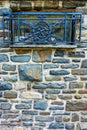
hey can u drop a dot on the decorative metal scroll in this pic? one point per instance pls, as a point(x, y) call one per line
point(42, 28)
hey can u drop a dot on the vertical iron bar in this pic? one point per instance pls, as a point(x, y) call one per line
point(80, 27)
point(73, 30)
point(65, 28)
point(11, 29)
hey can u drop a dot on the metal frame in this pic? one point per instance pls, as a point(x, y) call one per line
point(42, 28)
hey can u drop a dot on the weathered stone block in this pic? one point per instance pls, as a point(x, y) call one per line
point(56, 126)
point(27, 124)
point(77, 105)
point(59, 53)
point(20, 58)
point(40, 105)
point(75, 117)
point(65, 97)
point(59, 72)
point(50, 66)
point(49, 85)
point(10, 79)
point(83, 118)
point(69, 126)
point(70, 66)
point(56, 108)
point(52, 78)
point(83, 91)
point(30, 72)
point(51, 97)
point(41, 56)
point(29, 112)
point(82, 126)
point(10, 94)
point(31, 95)
point(58, 118)
point(70, 78)
point(69, 91)
point(4, 58)
point(52, 91)
point(57, 103)
point(76, 60)
point(81, 71)
point(5, 86)
point(84, 64)
point(22, 106)
point(83, 78)
point(75, 85)
point(61, 60)
point(77, 54)
point(5, 106)
point(8, 67)
point(19, 128)
point(19, 86)
point(44, 119)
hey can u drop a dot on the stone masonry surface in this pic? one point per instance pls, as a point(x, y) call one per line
point(43, 89)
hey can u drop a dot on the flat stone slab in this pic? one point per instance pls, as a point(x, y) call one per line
point(82, 126)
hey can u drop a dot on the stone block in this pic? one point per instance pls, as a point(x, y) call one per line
point(52, 78)
point(75, 85)
point(19, 128)
point(69, 91)
point(5, 86)
point(51, 97)
point(10, 94)
point(51, 66)
point(84, 64)
point(81, 71)
point(20, 58)
point(56, 108)
point(22, 106)
point(70, 78)
point(0, 94)
point(56, 126)
point(75, 117)
point(31, 95)
point(60, 60)
point(65, 97)
point(52, 91)
point(41, 56)
point(27, 124)
point(40, 105)
point(44, 119)
point(69, 126)
point(49, 85)
point(4, 58)
point(27, 112)
point(70, 66)
point(5, 106)
point(80, 54)
point(30, 72)
point(77, 105)
point(83, 78)
point(83, 91)
point(59, 53)
point(8, 67)
point(58, 118)
point(57, 103)
point(76, 60)
point(82, 126)
point(10, 79)
point(59, 72)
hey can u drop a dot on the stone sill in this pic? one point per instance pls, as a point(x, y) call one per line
point(44, 46)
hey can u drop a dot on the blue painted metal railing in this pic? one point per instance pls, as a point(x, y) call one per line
point(42, 28)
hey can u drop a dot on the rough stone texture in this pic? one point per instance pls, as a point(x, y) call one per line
point(59, 72)
point(20, 58)
point(8, 67)
point(4, 58)
point(61, 60)
point(5, 86)
point(50, 66)
point(52, 78)
point(84, 64)
point(31, 95)
point(49, 85)
point(10, 94)
point(56, 126)
point(44, 119)
point(77, 105)
point(41, 56)
point(40, 105)
point(32, 72)
point(22, 106)
point(81, 71)
point(82, 126)
point(70, 66)
point(75, 117)
point(77, 54)
point(59, 53)
point(74, 85)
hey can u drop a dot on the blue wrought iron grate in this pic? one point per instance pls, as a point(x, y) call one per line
point(42, 28)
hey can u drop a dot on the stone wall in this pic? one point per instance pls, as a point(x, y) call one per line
point(43, 88)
